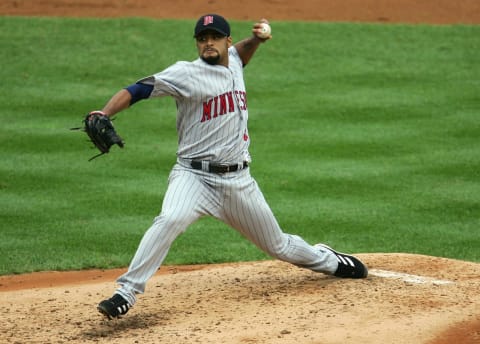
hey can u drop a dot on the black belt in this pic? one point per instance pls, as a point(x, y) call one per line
point(217, 168)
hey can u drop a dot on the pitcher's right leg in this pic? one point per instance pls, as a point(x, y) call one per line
point(181, 207)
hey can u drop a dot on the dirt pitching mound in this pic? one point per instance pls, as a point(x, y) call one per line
point(406, 299)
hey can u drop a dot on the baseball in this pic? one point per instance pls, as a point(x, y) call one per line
point(265, 31)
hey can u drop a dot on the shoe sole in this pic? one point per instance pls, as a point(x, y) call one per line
point(104, 312)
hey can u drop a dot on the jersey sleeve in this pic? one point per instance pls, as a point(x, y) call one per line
point(234, 56)
point(172, 81)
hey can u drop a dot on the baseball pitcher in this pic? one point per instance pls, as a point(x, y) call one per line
point(211, 176)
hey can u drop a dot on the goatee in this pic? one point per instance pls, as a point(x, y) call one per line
point(211, 60)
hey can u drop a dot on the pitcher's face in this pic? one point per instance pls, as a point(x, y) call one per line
point(213, 47)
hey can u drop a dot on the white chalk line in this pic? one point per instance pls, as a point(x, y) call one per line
point(407, 277)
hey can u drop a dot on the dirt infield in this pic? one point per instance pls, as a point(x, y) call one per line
point(406, 299)
point(407, 11)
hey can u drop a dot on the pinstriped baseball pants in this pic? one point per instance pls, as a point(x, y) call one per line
point(233, 198)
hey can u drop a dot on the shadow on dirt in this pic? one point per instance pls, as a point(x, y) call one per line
point(117, 328)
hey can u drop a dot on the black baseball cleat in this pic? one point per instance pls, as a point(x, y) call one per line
point(114, 306)
point(348, 266)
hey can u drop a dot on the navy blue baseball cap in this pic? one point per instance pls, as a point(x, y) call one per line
point(212, 22)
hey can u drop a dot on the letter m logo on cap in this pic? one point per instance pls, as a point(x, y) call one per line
point(207, 20)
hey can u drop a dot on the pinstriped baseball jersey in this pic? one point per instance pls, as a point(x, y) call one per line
point(212, 109)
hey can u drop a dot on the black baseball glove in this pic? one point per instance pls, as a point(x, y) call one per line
point(101, 132)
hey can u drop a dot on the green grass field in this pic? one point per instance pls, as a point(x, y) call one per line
point(366, 137)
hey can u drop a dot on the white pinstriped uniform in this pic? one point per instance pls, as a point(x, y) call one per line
point(212, 126)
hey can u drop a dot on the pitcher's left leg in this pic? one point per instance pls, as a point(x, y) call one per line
point(247, 211)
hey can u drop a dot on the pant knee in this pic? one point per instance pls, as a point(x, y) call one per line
point(279, 250)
